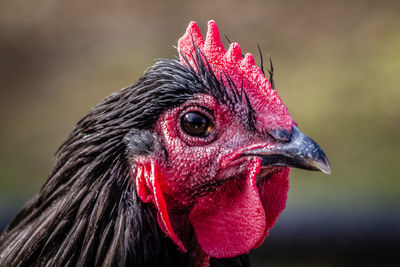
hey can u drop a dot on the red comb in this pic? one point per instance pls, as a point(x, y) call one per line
point(242, 71)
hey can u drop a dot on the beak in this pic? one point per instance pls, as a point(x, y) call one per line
point(300, 152)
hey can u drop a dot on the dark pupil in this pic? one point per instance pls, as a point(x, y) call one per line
point(196, 124)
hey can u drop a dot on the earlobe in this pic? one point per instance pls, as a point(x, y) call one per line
point(142, 189)
point(148, 189)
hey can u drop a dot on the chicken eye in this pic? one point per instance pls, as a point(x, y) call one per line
point(196, 124)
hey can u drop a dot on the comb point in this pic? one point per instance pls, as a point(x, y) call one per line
point(213, 39)
point(234, 53)
point(249, 59)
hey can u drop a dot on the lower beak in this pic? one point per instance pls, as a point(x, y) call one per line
point(300, 152)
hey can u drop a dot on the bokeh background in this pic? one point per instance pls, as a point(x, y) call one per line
point(337, 69)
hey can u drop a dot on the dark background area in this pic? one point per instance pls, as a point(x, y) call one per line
point(337, 69)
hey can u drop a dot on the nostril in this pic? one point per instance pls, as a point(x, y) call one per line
point(281, 135)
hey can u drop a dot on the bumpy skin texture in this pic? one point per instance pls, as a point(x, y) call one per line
point(270, 111)
point(134, 186)
point(229, 201)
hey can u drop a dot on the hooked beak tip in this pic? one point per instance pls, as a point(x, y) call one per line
point(323, 166)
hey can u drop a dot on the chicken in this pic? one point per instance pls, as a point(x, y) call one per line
point(187, 167)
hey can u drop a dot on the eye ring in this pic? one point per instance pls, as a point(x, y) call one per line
point(196, 126)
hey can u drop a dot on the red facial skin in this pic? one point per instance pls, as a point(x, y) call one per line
point(234, 215)
point(206, 185)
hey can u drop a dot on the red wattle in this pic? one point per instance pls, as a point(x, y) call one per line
point(231, 221)
point(273, 196)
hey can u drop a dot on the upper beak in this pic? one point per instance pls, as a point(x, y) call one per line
point(300, 152)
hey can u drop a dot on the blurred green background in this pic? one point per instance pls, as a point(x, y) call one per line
point(337, 68)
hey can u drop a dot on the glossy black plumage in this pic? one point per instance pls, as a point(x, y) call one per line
point(88, 213)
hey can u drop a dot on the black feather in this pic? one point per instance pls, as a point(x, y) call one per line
point(271, 73)
point(228, 95)
point(227, 38)
point(88, 212)
point(261, 59)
